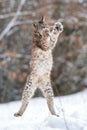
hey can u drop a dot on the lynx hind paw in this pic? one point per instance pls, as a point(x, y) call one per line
point(55, 114)
point(17, 114)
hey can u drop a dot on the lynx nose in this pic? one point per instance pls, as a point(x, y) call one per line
point(59, 26)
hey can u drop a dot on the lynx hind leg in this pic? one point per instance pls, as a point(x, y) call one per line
point(48, 94)
point(26, 96)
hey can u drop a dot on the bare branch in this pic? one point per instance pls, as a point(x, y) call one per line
point(31, 13)
point(12, 22)
point(23, 22)
point(4, 16)
point(13, 30)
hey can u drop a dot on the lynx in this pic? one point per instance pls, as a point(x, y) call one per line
point(44, 39)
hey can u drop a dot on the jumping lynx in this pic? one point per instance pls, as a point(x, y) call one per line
point(45, 39)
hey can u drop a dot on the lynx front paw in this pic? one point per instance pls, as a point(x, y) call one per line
point(17, 114)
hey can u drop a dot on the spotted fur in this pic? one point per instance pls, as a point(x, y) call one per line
point(44, 38)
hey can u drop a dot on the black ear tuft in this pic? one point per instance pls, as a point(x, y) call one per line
point(42, 21)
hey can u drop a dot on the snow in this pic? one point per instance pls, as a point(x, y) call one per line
point(72, 110)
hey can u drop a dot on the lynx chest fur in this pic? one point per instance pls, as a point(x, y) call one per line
point(41, 61)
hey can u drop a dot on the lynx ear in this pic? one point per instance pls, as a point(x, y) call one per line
point(42, 20)
point(34, 24)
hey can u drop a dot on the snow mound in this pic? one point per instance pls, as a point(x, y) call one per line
point(72, 110)
point(59, 123)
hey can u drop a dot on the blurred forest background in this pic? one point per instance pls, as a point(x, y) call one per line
point(69, 74)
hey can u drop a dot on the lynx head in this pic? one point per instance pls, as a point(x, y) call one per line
point(46, 35)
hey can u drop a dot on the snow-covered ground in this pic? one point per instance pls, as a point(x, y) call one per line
point(72, 110)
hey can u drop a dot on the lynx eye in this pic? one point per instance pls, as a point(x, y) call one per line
point(43, 27)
